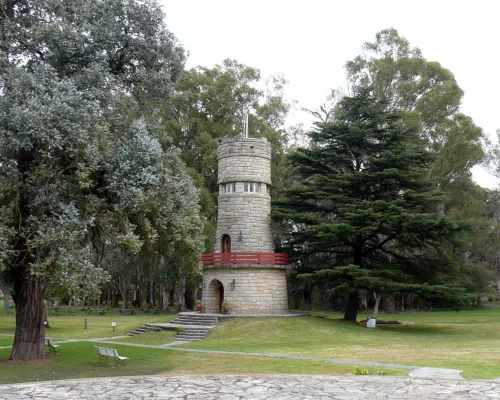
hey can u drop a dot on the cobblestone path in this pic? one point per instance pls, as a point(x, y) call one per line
point(273, 387)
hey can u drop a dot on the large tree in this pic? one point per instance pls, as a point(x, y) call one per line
point(207, 106)
point(428, 94)
point(67, 67)
point(423, 91)
point(364, 208)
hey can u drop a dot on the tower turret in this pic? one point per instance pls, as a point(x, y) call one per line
point(244, 270)
point(244, 204)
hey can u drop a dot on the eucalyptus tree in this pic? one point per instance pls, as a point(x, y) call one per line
point(208, 105)
point(63, 64)
point(154, 210)
point(424, 91)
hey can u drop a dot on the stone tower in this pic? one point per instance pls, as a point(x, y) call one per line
point(244, 270)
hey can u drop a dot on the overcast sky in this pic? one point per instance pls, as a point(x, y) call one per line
point(308, 42)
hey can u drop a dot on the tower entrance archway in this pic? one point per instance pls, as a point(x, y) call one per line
point(215, 297)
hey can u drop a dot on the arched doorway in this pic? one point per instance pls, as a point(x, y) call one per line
point(215, 297)
point(226, 244)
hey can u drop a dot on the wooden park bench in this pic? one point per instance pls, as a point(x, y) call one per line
point(100, 312)
point(105, 354)
point(52, 347)
point(132, 312)
point(149, 310)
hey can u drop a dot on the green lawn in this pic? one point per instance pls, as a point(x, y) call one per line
point(152, 338)
point(79, 360)
point(72, 326)
point(6, 340)
point(467, 340)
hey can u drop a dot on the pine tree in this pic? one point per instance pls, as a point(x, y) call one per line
point(364, 212)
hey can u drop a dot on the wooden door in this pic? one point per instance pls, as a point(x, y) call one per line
point(226, 244)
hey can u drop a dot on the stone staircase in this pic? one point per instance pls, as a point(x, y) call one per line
point(196, 319)
point(138, 331)
point(194, 326)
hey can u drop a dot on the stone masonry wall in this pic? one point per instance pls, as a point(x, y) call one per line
point(244, 160)
point(256, 290)
point(245, 217)
point(244, 169)
point(247, 214)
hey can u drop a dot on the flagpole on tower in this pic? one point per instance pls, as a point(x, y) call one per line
point(245, 123)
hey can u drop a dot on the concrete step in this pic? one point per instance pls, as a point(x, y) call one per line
point(198, 316)
point(138, 331)
point(196, 328)
point(193, 333)
point(195, 321)
point(189, 337)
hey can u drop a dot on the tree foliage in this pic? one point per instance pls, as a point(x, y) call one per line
point(207, 106)
point(364, 210)
point(80, 167)
point(425, 92)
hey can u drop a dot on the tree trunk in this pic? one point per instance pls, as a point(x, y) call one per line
point(30, 312)
point(124, 286)
point(46, 322)
point(389, 304)
point(181, 299)
point(6, 293)
point(364, 302)
point(377, 303)
point(351, 311)
point(125, 298)
point(165, 300)
point(143, 293)
point(151, 293)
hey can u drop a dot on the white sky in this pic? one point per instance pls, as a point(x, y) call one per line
point(308, 42)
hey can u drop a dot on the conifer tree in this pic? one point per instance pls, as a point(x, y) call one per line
point(364, 212)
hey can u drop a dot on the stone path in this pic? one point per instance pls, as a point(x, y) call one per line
point(415, 371)
point(274, 387)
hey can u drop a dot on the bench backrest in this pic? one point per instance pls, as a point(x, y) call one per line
point(107, 352)
point(49, 341)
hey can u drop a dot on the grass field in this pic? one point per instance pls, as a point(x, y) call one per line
point(467, 340)
point(72, 326)
point(79, 360)
point(152, 338)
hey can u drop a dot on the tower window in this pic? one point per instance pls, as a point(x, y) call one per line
point(228, 187)
point(252, 187)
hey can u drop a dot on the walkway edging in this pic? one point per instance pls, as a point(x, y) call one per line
point(416, 371)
